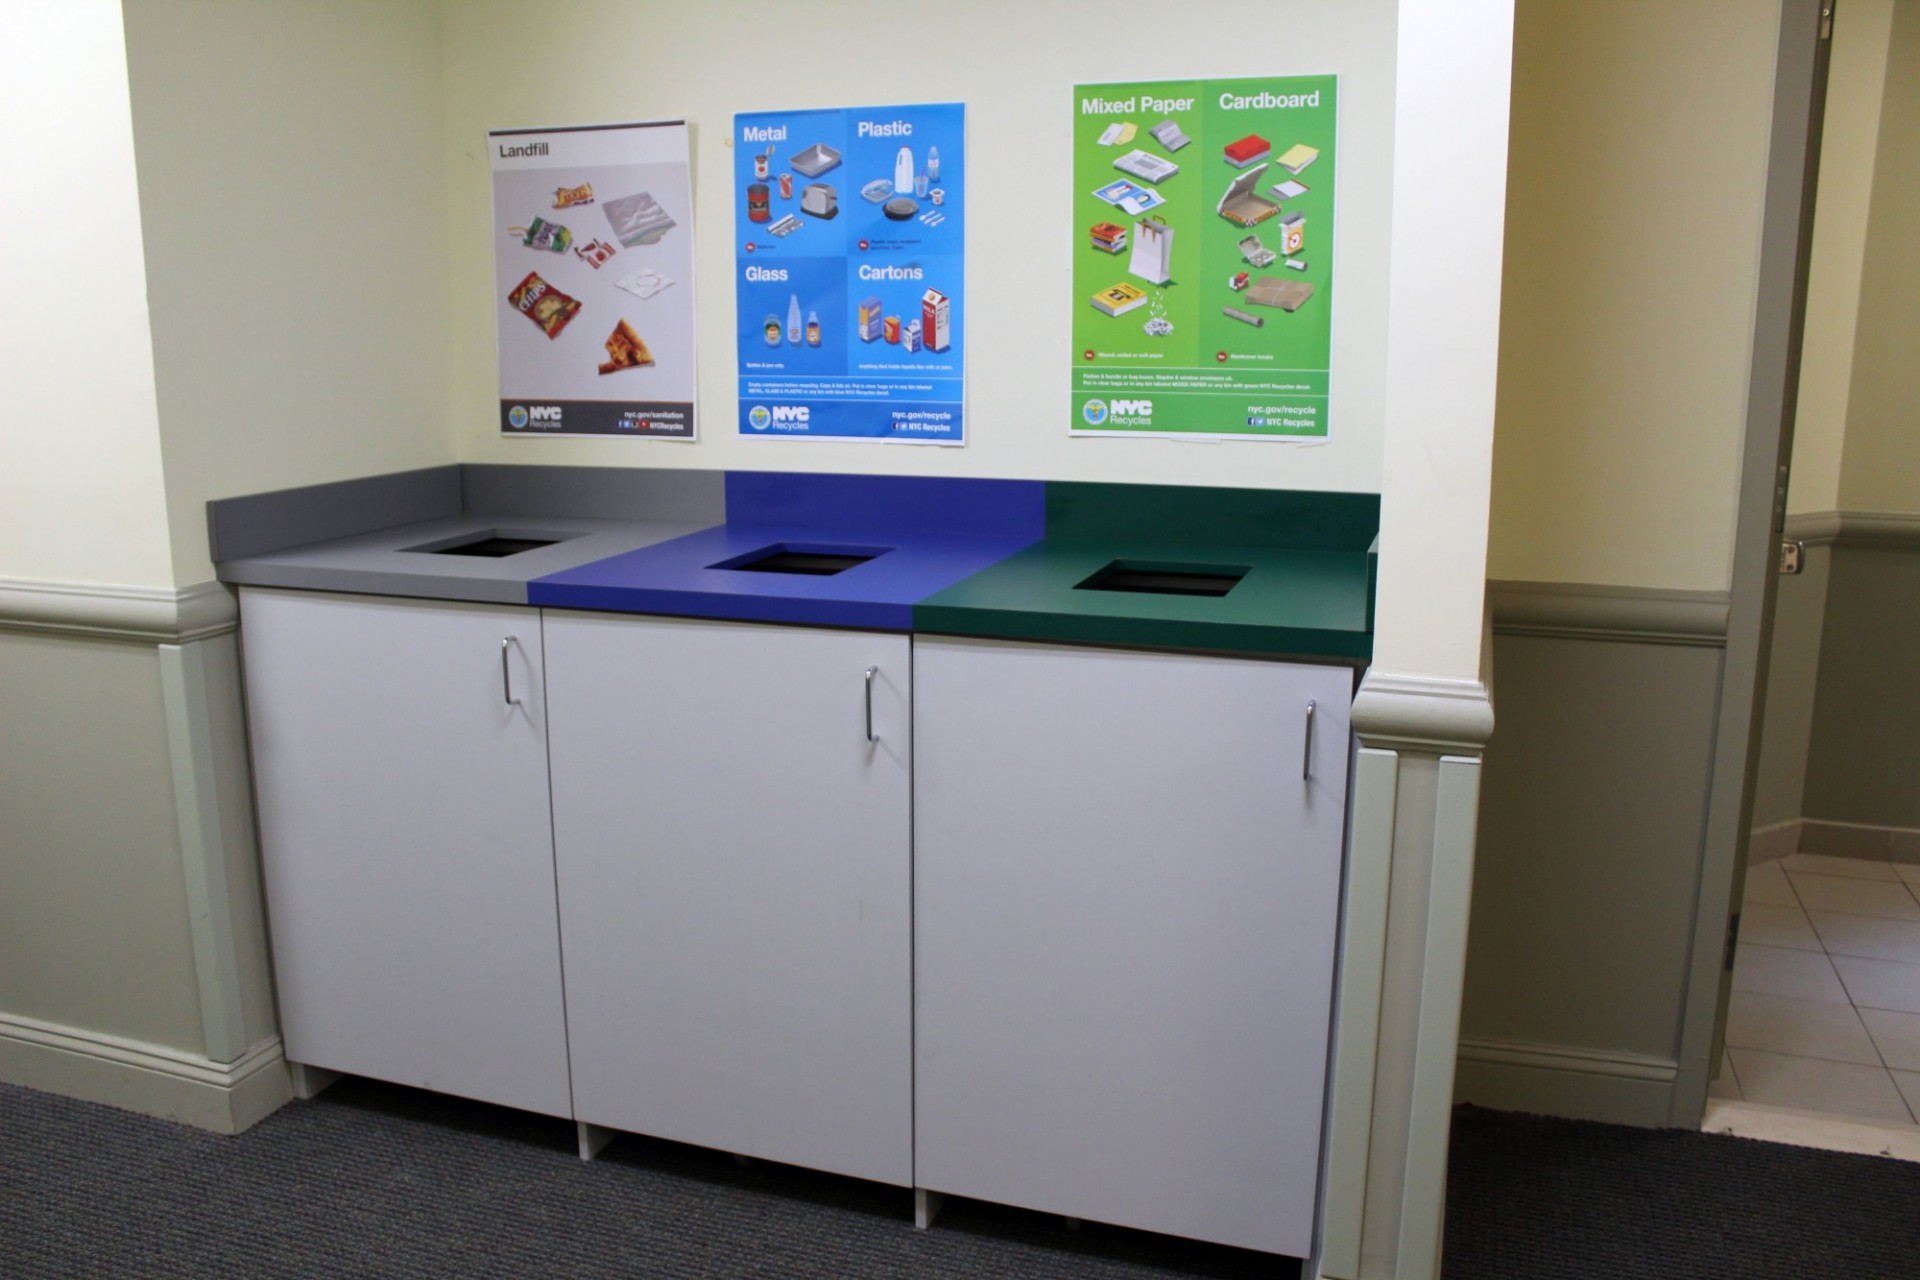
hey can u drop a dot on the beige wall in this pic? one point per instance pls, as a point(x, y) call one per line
point(80, 487)
point(290, 186)
point(1013, 64)
point(1881, 467)
point(1639, 152)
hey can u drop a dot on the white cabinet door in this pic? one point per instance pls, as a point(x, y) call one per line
point(1126, 897)
point(405, 833)
point(733, 857)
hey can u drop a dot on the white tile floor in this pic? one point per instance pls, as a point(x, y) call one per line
point(1825, 1014)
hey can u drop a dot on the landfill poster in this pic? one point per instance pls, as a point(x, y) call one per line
point(850, 273)
point(593, 265)
point(1203, 257)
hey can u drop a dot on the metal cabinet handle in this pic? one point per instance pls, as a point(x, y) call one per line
point(871, 673)
point(1306, 752)
point(506, 675)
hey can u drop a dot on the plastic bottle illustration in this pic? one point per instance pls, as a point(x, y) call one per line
point(933, 164)
point(903, 171)
point(793, 318)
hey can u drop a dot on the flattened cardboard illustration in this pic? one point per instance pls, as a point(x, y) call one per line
point(592, 224)
point(850, 273)
point(1220, 324)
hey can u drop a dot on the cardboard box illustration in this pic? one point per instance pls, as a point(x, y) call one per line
point(1247, 150)
point(1288, 295)
point(1297, 157)
point(1293, 233)
point(869, 319)
point(1244, 206)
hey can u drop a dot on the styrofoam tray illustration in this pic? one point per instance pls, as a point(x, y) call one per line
point(816, 160)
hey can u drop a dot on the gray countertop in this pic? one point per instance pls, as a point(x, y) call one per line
point(392, 561)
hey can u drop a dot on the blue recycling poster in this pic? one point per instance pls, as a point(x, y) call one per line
point(850, 272)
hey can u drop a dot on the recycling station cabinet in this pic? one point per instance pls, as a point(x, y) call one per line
point(1126, 883)
point(407, 841)
point(987, 845)
point(735, 864)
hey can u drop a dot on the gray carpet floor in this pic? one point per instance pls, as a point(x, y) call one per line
point(1536, 1198)
point(371, 1180)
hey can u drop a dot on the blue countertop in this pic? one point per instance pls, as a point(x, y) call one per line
point(698, 575)
point(922, 536)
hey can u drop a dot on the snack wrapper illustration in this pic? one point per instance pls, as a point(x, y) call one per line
point(541, 234)
point(625, 349)
point(543, 304)
point(566, 197)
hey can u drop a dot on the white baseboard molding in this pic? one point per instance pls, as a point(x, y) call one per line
point(1773, 842)
point(151, 1079)
point(1859, 840)
point(1556, 1080)
point(1835, 839)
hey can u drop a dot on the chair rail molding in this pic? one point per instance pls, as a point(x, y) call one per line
point(1891, 530)
point(1592, 611)
point(163, 615)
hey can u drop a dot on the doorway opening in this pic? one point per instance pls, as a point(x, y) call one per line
point(1823, 1014)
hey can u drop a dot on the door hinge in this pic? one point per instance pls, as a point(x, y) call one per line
point(1733, 941)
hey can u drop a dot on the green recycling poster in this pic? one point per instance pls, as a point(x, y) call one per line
point(1203, 257)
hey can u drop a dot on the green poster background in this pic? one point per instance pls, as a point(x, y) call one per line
point(1212, 374)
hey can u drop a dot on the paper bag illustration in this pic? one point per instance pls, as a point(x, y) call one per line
point(1152, 257)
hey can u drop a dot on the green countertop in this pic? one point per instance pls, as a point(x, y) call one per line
point(1297, 603)
point(1307, 590)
